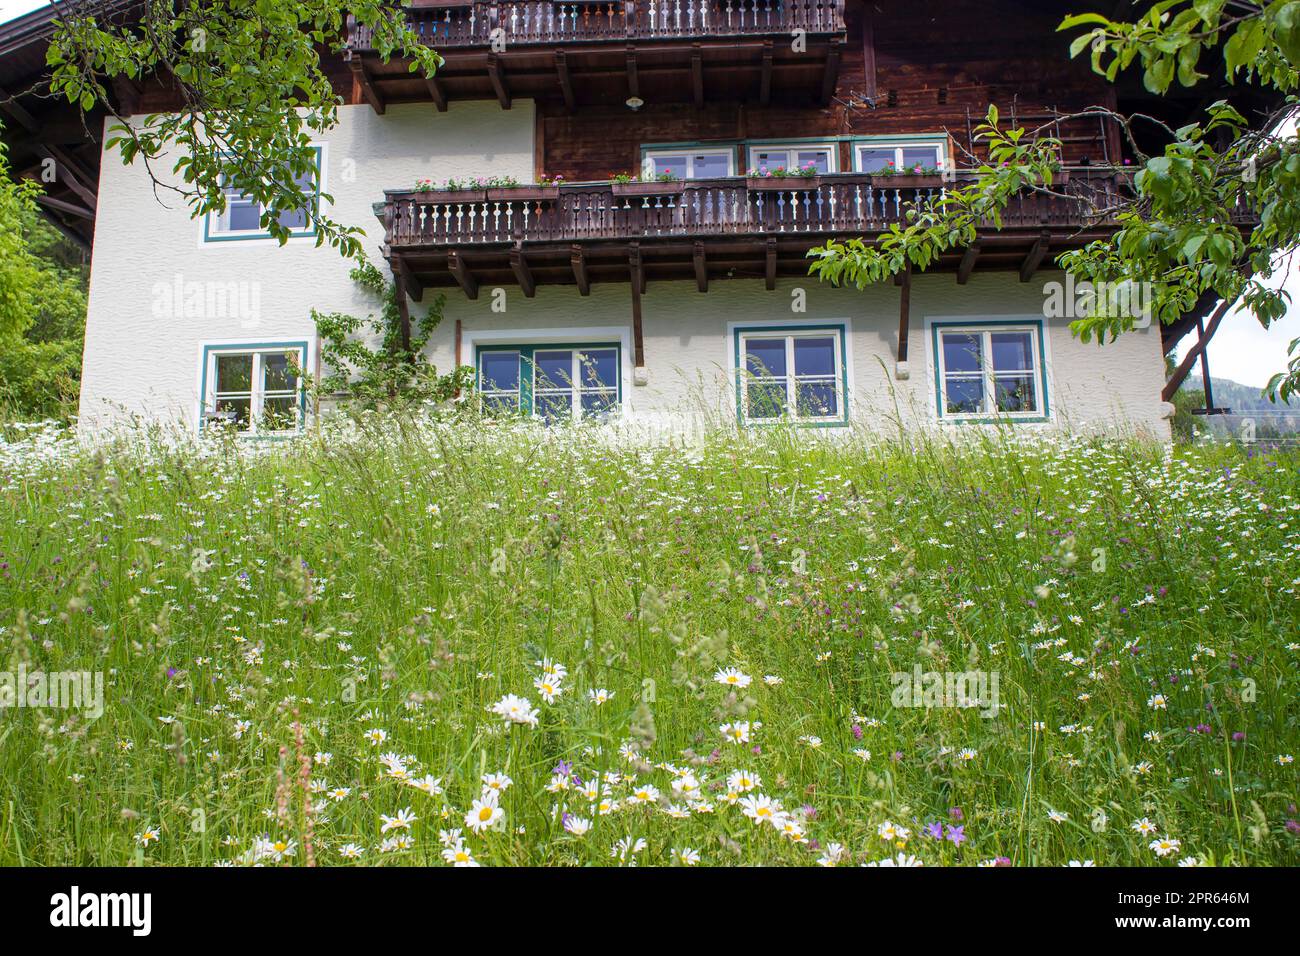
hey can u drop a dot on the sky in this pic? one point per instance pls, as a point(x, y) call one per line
point(1242, 350)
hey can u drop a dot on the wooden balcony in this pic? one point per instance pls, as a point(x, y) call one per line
point(700, 229)
point(609, 51)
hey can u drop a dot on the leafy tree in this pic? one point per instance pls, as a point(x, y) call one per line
point(40, 368)
point(1181, 229)
point(19, 270)
point(253, 90)
point(371, 365)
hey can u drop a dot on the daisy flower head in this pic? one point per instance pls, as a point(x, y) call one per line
point(732, 677)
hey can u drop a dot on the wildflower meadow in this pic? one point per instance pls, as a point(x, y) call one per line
point(393, 644)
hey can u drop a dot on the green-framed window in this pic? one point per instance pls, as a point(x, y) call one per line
point(990, 371)
point(563, 381)
point(254, 389)
point(242, 218)
point(791, 373)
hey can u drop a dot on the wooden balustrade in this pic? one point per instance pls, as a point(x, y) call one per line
point(846, 203)
point(453, 24)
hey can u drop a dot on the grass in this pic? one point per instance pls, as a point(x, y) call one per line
point(263, 617)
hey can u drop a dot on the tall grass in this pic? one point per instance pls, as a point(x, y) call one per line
point(259, 611)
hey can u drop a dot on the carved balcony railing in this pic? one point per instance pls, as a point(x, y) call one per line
point(844, 203)
point(468, 23)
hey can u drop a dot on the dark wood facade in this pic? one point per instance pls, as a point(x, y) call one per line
point(709, 73)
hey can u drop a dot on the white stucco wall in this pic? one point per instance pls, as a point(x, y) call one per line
point(140, 362)
point(143, 357)
point(688, 345)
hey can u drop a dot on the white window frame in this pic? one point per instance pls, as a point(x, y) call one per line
point(940, 143)
point(257, 393)
point(789, 334)
point(690, 152)
point(832, 151)
point(575, 388)
point(212, 236)
point(988, 374)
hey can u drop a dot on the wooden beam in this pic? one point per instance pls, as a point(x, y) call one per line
point(638, 279)
point(578, 259)
point(72, 209)
point(633, 84)
point(769, 270)
point(904, 313)
point(765, 78)
point(519, 263)
point(697, 76)
point(11, 106)
point(436, 93)
point(832, 74)
point(869, 55)
point(406, 280)
point(968, 260)
point(404, 312)
point(566, 82)
point(496, 73)
point(368, 90)
point(701, 267)
point(71, 176)
point(1180, 374)
point(1036, 256)
point(464, 278)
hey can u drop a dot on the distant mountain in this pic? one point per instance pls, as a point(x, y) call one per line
point(1242, 399)
point(1247, 406)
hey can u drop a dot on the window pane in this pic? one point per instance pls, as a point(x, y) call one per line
point(1016, 393)
point(923, 156)
point(874, 160)
point(965, 395)
point(293, 219)
point(242, 216)
point(711, 166)
point(819, 159)
point(669, 164)
point(276, 374)
point(770, 160)
point(234, 373)
point(817, 399)
point(595, 404)
point(499, 371)
point(554, 406)
point(599, 368)
point(1013, 351)
point(765, 357)
point(500, 405)
point(766, 399)
point(236, 411)
point(814, 356)
point(279, 414)
point(553, 369)
point(962, 352)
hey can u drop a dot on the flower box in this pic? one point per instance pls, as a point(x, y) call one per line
point(451, 195)
point(525, 193)
point(904, 181)
point(782, 183)
point(656, 188)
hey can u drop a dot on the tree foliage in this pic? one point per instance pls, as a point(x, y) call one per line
point(1218, 211)
point(20, 271)
point(254, 94)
